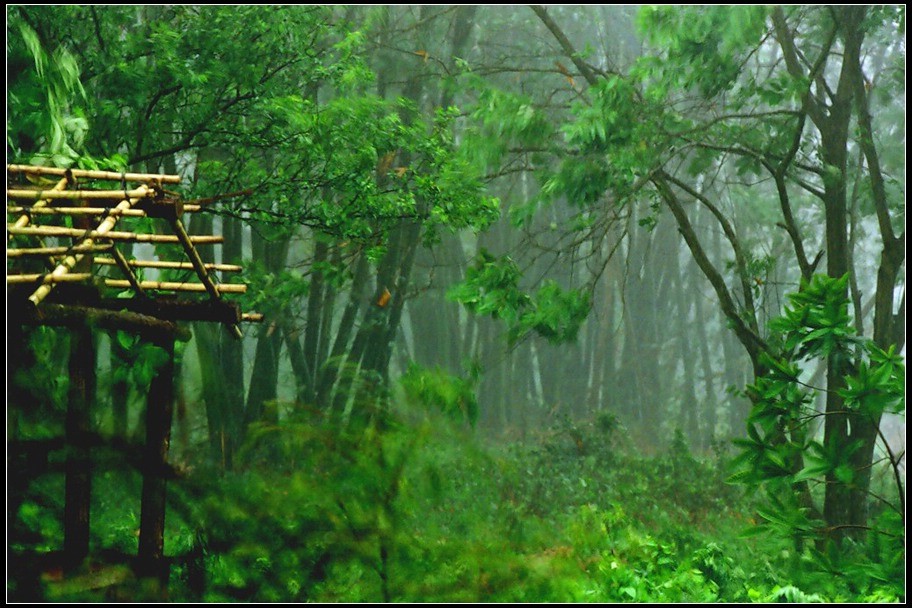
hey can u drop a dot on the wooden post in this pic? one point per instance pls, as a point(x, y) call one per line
point(78, 483)
point(159, 410)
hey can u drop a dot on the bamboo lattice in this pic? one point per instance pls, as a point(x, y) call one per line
point(79, 209)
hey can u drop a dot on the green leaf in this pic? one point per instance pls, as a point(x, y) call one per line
point(844, 474)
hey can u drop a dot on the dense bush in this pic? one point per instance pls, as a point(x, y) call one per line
point(420, 511)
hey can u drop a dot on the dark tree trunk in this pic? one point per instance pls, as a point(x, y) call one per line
point(264, 378)
point(81, 395)
point(159, 412)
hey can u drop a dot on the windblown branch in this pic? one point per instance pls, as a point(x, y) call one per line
point(565, 44)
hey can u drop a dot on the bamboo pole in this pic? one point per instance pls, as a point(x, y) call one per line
point(67, 264)
point(200, 268)
point(74, 211)
point(49, 251)
point(81, 195)
point(194, 256)
point(121, 263)
point(175, 286)
point(35, 210)
point(91, 174)
point(24, 220)
point(112, 235)
point(18, 279)
point(170, 265)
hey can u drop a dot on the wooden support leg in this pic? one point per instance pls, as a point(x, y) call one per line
point(78, 465)
point(159, 412)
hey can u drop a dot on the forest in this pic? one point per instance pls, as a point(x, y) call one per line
point(541, 304)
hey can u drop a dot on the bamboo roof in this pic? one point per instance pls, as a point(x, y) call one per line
point(61, 231)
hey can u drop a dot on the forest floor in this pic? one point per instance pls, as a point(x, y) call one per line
point(423, 511)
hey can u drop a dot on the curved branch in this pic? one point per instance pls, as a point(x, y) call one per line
point(894, 464)
point(793, 63)
point(748, 338)
point(866, 142)
point(565, 44)
point(729, 230)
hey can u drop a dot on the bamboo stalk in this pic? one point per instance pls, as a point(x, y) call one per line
point(17, 279)
point(112, 235)
point(67, 264)
point(91, 174)
point(121, 263)
point(195, 258)
point(175, 286)
point(81, 195)
point(47, 251)
point(35, 210)
point(170, 265)
point(24, 220)
point(75, 211)
point(252, 317)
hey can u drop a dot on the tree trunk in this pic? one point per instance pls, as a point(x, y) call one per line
point(78, 489)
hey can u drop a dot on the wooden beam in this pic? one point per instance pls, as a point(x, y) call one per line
point(35, 210)
point(149, 328)
point(121, 263)
point(78, 483)
point(159, 411)
point(163, 308)
point(200, 267)
point(216, 311)
point(195, 258)
point(90, 174)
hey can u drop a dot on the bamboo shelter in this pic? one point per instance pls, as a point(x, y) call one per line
point(106, 250)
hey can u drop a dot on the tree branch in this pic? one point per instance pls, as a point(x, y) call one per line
point(793, 63)
point(728, 229)
point(750, 340)
point(565, 44)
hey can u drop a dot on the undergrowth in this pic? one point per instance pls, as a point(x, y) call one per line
point(410, 507)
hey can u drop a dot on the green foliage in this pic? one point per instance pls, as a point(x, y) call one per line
point(48, 123)
point(434, 388)
point(491, 287)
point(781, 451)
point(790, 594)
point(501, 120)
point(411, 508)
point(703, 45)
point(817, 324)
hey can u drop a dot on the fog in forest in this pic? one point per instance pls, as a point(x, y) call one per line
point(565, 303)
